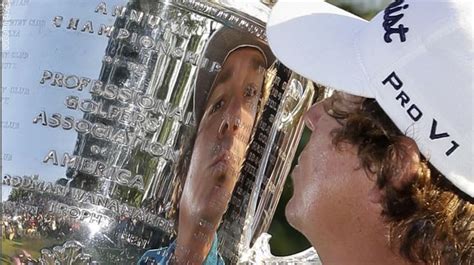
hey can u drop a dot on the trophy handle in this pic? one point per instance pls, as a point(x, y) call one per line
point(260, 253)
point(295, 87)
point(296, 99)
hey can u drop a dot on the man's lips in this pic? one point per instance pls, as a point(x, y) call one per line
point(220, 165)
point(296, 169)
point(222, 158)
point(295, 172)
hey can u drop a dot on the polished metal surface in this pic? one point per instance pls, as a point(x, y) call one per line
point(102, 104)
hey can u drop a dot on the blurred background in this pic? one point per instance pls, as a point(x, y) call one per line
point(286, 240)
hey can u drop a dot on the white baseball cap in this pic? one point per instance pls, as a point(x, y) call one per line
point(415, 58)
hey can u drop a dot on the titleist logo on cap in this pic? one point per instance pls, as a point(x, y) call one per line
point(392, 16)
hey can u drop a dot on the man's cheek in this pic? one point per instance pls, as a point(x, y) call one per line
point(252, 106)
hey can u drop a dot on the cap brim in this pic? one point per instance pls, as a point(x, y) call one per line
point(318, 41)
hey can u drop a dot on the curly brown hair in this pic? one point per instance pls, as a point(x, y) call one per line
point(431, 221)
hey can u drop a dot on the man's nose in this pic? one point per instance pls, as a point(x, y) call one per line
point(232, 118)
point(230, 125)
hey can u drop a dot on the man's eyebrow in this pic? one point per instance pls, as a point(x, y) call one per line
point(224, 76)
point(257, 63)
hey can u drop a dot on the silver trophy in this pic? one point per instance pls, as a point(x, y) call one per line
point(141, 125)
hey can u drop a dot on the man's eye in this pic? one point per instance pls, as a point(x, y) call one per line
point(217, 106)
point(250, 91)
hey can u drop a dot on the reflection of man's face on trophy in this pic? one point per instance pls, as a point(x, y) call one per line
point(224, 132)
point(221, 143)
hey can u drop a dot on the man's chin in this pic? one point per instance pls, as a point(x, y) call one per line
point(209, 216)
point(214, 205)
point(292, 215)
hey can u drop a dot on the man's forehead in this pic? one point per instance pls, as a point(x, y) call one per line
point(251, 54)
point(229, 67)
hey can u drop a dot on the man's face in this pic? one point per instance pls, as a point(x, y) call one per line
point(223, 134)
point(330, 204)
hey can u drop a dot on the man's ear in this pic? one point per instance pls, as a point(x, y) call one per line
point(406, 167)
point(400, 167)
point(375, 194)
